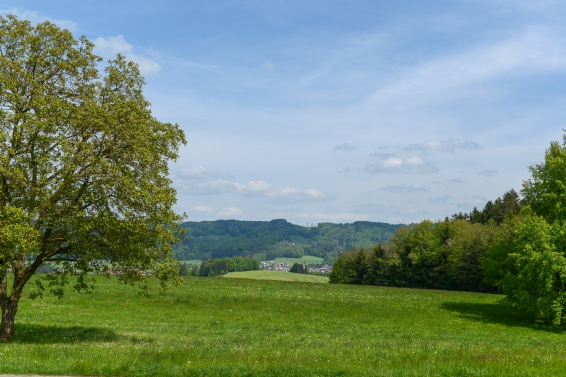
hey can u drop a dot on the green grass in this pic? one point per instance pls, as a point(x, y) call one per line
point(243, 327)
point(277, 275)
point(192, 261)
point(307, 259)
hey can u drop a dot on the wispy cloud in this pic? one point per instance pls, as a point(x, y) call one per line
point(534, 51)
point(472, 201)
point(445, 146)
point(35, 17)
point(202, 209)
point(272, 119)
point(201, 173)
point(440, 200)
point(335, 217)
point(231, 211)
point(403, 188)
point(344, 147)
point(268, 64)
point(488, 173)
point(111, 46)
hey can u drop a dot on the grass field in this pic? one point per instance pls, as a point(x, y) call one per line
point(243, 327)
point(307, 259)
point(277, 275)
point(192, 261)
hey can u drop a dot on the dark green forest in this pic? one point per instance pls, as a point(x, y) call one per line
point(266, 240)
point(458, 253)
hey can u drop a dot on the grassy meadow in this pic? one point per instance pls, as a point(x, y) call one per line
point(307, 259)
point(244, 327)
point(277, 275)
point(192, 261)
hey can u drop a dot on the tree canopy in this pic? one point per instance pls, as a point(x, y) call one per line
point(545, 191)
point(83, 166)
point(535, 281)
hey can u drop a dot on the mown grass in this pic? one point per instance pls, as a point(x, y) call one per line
point(307, 259)
point(192, 261)
point(241, 327)
point(277, 275)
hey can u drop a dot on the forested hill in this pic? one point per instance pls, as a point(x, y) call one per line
point(277, 238)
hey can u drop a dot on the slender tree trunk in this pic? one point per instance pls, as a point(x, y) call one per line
point(9, 310)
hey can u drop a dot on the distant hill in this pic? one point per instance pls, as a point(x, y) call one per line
point(277, 238)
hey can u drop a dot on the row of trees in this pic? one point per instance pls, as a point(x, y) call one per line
point(450, 254)
point(189, 269)
point(221, 266)
point(514, 246)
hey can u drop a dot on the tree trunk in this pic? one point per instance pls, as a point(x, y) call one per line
point(9, 309)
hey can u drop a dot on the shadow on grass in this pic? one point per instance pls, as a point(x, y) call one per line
point(41, 334)
point(497, 314)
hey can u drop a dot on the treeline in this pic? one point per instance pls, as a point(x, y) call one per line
point(221, 266)
point(299, 268)
point(267, 240)
point(453, 254)
point(515, 246)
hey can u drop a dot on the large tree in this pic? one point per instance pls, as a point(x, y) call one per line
point(83, 167)
point(535, 278)
point(545, 191)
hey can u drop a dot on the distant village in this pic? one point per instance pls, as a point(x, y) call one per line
point(279, 266)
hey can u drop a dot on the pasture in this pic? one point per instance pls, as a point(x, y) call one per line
point(244, 327)
point(277, 275)
point(307, 259)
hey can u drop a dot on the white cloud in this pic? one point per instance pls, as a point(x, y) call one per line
point(230, 211)
point(258, 189)
point(252, 188)
point(111, 46)
point(314, 193)
point(203, 209)
point(394, 164)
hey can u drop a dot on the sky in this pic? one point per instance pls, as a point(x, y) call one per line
point(339, 111)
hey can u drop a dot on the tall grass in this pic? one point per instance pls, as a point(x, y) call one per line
point(240, 327)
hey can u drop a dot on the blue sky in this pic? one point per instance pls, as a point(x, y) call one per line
point(337, 111)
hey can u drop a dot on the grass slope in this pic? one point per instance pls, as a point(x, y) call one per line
point(307, 259)
point(277, 275)
point(192, 261)
point(242, 327)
